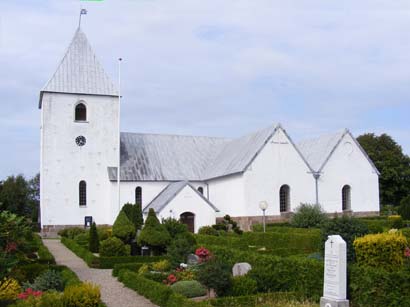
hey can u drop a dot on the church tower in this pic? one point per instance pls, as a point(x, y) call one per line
point(79, 139)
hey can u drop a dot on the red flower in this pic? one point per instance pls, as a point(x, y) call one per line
point(203, 254)
point(29, 292)
point(11, 247)
point(407, 252)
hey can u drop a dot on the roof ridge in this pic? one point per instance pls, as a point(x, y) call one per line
point(177, 135)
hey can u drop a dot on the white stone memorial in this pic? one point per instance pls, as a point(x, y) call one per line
point(335, 273)
point(241, 268)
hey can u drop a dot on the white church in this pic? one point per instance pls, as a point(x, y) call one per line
point(195, 179)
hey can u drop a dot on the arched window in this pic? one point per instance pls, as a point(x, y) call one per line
point(80, 112)
point(346, 198)
point(284, 198)
point(138, 195)
point(82, 189)
point(201, 190)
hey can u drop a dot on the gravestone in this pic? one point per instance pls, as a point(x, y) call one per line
point(241, 268)
point(334, 284)
point(192, 259)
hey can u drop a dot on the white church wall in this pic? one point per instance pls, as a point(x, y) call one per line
point(278, 163)
point(187, 200)
point(348, 166)
point(227, 194)
point(64, 164)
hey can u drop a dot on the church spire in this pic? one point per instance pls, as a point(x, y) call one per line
point(79, 72)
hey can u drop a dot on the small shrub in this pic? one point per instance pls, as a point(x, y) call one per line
point(113, 247)
point(51, 299)
point(154, 234)
point(123, 228)
point(215, 274)
point(189, 288)
point(228, 225)
point(395, 221)
point(9, 289)
point(104, 232)
point(349, 228)
point(82, 239)
point(381, 250)
point(84, 295)
point(186, 274)
point(174, 227)
point(48, 280)
point(307, 216)
point(161, 266)
point(71, 232)
point(208, 230)
point(178, 251)
point(144, 269)
point(404, 209)
point(243, 285)
point(93, 241)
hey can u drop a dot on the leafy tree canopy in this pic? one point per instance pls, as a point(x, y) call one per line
point(21, 196)
point(393, 164)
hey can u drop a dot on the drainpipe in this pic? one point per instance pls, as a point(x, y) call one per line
point(207, 190)
point(316, 175)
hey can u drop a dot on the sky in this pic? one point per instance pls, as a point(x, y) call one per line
point(215, 67)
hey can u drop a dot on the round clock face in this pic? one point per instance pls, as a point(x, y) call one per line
point(80, 140)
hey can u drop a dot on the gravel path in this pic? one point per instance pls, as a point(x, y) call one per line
point(113, 293)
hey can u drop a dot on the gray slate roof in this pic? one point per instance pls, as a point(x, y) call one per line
point(79, 72)
point(317, 150)
point(167, 194)
point(150, 157)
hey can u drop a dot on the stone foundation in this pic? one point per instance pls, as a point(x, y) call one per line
point(51, 231)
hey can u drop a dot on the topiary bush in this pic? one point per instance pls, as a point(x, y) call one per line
point(113, 247)
point(308, 216)
point(228, 225)
point(215, 274)
point(189, 288)
point(154, 234)
point(82, 239)
point(384, 250)
point(104, 232)
point(395, 221)
point(93, 241)
point(243, 285)
point(349, 228)
point(123, 228)
point(174, 227)
point(404, 209)
point(48, 280)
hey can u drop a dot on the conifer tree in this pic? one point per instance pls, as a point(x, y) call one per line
point(93, 241)
point(154, 234)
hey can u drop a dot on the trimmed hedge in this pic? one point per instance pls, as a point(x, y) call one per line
point(89, 258)
point(157, 293)
point(105, 262)
point(133, 267)
point(44, 255)
point(253, 300)
point(274, 243)
point(381, 250)
point(378, 288)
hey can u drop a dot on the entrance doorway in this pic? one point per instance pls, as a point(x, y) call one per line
point(188, 218)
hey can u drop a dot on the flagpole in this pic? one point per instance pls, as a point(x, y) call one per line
point(119, 135)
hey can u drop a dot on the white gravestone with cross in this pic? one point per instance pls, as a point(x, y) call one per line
point(335, 274)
